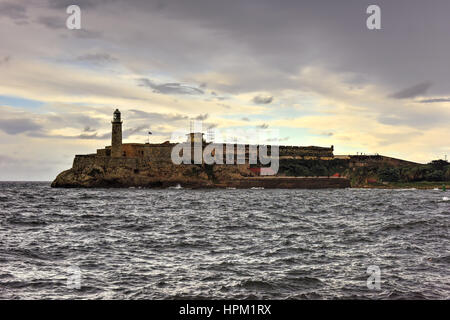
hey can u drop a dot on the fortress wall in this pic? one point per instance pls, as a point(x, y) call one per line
point(161, 153)
point(131, 163)
point(306, 151)
point(243, 151)
point(83, 162)
point(104, 152)
point(133, 150)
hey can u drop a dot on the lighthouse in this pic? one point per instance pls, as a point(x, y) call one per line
point(116, 136)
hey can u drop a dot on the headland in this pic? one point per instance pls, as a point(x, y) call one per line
point(151, 165)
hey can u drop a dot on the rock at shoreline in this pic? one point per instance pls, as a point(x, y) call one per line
point(98, 172)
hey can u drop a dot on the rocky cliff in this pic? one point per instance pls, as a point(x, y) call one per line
point(95, 171)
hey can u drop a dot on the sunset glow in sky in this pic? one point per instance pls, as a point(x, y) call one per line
point(308, 68)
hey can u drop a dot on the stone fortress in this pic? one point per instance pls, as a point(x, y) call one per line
point(150, 165)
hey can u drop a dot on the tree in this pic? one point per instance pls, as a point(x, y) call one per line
point(319, 170)
point(302, 171)
point(435, 175)
point(439, 164)
point(447, 174)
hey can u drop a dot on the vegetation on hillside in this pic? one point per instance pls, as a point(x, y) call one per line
point(312, 168)
point(435, 171)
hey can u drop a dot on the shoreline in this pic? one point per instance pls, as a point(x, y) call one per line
point(425, 185)
point(223, 186)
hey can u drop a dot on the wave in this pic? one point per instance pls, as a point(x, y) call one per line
point(442, 259)
point(308, 281)
point(256, 285)
point(26, 221)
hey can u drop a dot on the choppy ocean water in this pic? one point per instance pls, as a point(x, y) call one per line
point(230, 244)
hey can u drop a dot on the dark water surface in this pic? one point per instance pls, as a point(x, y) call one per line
point(170, 244)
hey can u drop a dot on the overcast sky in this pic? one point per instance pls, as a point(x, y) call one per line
point(311, 69)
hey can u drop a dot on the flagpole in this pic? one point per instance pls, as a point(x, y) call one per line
point(149, 133)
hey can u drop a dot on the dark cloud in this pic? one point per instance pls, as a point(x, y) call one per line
point(52, 22)
point(83, 136)
point(262, 99)
point(435, 100)
point(411, 92)
point(169, 88)
point(324, 33)
point(245, 119)
point(216, 96)
point(13, 10)
point(263, 44)
point(86, 136)
point(5, 60)
point(89, 129)
point(83, 120)
point(18, 125)
point(263, 126)
point(83, 4)
point(202, 117)
point(140, 129)
point(155, 117)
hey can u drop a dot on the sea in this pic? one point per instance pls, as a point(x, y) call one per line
point(180, 243)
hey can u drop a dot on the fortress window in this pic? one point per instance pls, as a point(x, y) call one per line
point(124, 154)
